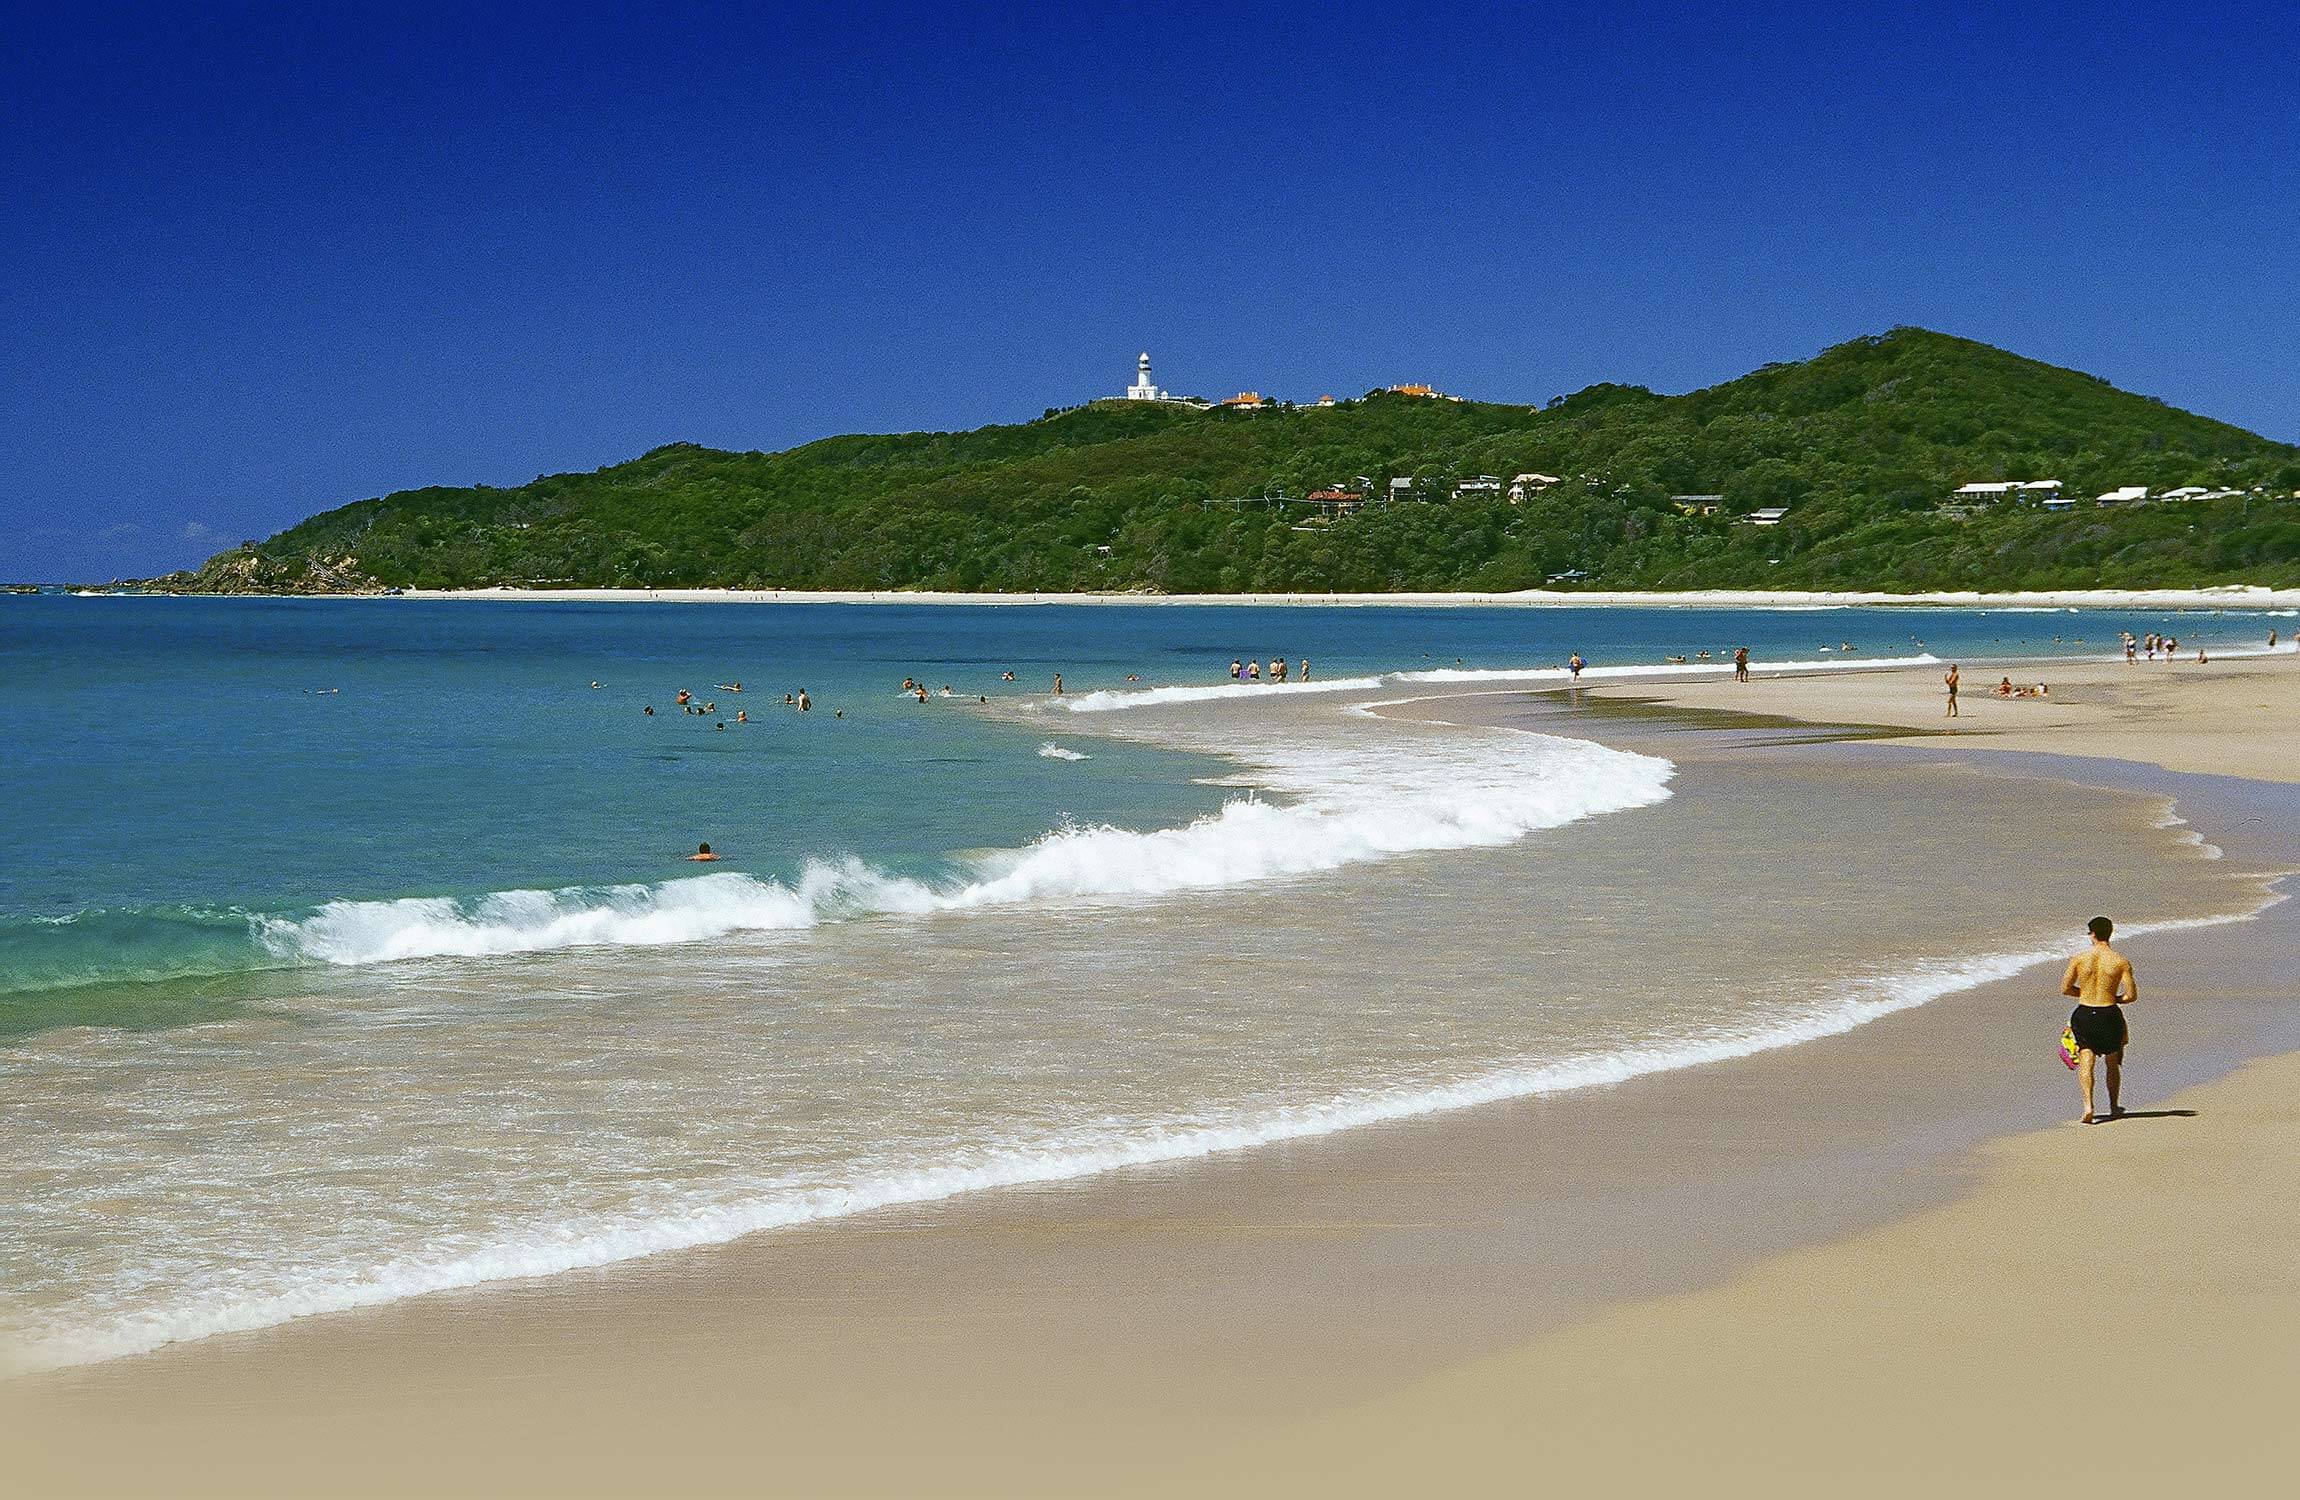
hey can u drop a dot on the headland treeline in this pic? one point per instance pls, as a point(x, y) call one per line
point(1840, 471)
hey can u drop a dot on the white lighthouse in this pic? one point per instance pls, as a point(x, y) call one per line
point(1144, 388)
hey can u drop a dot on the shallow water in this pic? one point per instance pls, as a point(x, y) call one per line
point(476, 1057)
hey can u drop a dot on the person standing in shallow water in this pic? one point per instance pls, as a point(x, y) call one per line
point(2100, 979)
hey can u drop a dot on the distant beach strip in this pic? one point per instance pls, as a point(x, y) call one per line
point(2220, 597)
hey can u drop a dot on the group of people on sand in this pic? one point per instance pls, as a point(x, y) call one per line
point(1953, 678)
point(1242, 670)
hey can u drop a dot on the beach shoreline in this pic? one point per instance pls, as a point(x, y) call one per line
point(1035, 1285)
point(2242, 597)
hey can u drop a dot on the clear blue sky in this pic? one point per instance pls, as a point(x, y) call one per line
point(259, 261)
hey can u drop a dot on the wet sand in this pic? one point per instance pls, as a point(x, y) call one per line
point(2109, 1308)
point(1301, 1315)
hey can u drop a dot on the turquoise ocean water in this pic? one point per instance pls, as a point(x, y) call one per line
point(329, 927)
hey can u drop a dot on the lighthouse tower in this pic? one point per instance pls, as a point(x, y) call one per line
point(1143, 388)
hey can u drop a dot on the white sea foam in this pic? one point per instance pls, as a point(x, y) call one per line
point(1351, 797)
point(1052, 751)
point(1658, 669)
point(730, 1213)
point(1113, 698)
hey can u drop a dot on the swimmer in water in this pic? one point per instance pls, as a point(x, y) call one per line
point(649, 710)
point(806, 704)
point(685, 697)
point(1058, 684)
point(702, 855)
point(742, 716)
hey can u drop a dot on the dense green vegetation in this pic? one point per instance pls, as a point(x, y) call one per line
point(1862, 443)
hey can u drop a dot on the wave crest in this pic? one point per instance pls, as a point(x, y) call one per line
point(1349, 800)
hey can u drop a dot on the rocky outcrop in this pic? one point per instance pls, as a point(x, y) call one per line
point(247, 571)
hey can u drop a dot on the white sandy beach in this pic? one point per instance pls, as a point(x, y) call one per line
point(2231, 596)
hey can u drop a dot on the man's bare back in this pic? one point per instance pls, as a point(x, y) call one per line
point(2100, 979)
point(2099, 976)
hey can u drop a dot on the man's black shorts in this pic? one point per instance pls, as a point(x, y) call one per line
point(2098, 1028)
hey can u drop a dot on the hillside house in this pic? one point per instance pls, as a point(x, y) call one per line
point(1338, 502)
point(2131, 494)
point(1697, 505)
point(1478, 484)
point(1529, 484)
point(2023, 491)
point(1402, 488)
point(1772, 515)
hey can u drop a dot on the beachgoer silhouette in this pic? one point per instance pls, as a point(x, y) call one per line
point(2100, 979)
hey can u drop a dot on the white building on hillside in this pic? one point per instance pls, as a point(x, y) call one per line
point(1144, 388)
point(2028, 491)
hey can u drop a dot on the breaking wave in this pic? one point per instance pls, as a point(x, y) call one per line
point(1355, 799)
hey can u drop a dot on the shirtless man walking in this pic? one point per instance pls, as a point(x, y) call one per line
point(2100, 979)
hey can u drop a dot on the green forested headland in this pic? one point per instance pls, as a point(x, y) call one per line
point(1862, 443)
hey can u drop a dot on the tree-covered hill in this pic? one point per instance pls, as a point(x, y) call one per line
point(1862, 443)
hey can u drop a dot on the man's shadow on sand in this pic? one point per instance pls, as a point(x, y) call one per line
point(2149, 1114)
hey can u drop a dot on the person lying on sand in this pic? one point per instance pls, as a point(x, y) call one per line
point(2100, 979)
